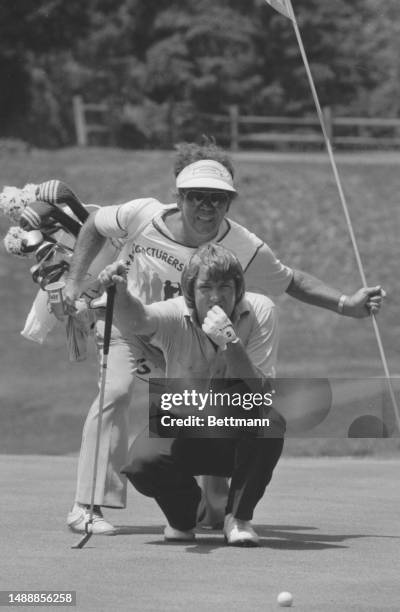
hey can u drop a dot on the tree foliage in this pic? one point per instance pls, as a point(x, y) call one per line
point(148, 58)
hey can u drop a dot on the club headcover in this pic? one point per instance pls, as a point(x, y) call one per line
point(42, 215)
point(13, 200)
point(56, 192)
point(22, 243)
point(36, 215)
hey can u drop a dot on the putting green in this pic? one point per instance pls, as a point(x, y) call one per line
point(329, 527)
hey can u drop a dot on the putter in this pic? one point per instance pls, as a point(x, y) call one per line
point(106, 346)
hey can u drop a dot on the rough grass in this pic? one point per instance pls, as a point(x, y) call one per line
point(294, 206)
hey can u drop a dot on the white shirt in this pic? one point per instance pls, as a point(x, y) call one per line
point(155, 259)
point(190, 354)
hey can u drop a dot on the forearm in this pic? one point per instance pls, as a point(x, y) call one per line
point(311, 290)
point(240, 366)
point(131, 314)
point(88, 245)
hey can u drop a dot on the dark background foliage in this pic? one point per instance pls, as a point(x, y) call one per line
point(149, 58)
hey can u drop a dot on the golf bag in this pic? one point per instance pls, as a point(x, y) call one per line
point(49, 217)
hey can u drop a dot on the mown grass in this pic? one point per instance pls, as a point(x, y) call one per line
point(294, 206)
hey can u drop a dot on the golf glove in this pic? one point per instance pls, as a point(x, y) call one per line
point(218, 327)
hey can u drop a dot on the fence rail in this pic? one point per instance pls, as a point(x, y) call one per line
point(245, 131)
point(83, 126)
point(252, 131)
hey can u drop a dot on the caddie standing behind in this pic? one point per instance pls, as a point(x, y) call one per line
point(159, 239)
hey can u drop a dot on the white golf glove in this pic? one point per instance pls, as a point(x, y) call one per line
point(218, 327)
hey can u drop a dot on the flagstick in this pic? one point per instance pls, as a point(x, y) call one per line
point(344, 205)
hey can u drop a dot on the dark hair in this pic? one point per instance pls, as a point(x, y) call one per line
point(190, 152)
point(221, 264)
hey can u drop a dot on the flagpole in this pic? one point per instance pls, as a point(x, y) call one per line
point(344, 203)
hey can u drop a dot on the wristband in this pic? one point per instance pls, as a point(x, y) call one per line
point(229, 334)
point(341, 302)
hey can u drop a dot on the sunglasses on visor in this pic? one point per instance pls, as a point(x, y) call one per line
point(215, 198)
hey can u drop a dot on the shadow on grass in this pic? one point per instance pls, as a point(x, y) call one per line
point(138, 530)
point(278, 537)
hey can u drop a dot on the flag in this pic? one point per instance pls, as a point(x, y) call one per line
point(282, 6)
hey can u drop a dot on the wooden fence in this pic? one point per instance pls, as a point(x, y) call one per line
point(238, 131)
point(251, 131)
point(90, 119)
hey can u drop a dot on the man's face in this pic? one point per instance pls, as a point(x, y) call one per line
point(203, 211)
point(209, 293)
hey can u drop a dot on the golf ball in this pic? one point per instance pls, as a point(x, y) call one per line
point(285, 599)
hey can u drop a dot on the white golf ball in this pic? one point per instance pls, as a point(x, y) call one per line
point(285, 599)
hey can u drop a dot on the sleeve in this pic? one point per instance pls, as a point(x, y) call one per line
point(169, 323)
point(262, 344)
point(123, 220)
point(266, 274)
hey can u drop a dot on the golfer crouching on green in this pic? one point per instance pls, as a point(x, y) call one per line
point(213, 331)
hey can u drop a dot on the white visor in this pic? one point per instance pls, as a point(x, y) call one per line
point(205, 173)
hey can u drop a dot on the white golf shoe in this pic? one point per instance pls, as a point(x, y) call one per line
point(79, 516)
point(176, 535)
point(239, 533)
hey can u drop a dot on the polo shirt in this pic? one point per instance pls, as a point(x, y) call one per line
point(155, 260)
point(190, 354)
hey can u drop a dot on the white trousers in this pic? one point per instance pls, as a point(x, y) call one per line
point(128, 359)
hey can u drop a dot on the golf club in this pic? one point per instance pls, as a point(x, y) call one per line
point(51, 273)
point(45, 251)
point(103, 373)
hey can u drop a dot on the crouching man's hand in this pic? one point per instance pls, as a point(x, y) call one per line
point(218, 327)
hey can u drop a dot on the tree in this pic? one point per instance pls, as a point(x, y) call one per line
point(28, 30)
point(379, 56)
point(204, 53)
point(330, 32)
point(155, 59)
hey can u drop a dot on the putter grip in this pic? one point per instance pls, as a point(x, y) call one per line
point(108, 318)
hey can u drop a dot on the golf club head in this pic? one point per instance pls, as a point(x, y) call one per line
point(87, 536)
point(44, 275)
point(45, 251)
point(36, 273)
point(52, 273)
point(84, 539)
point(31, 241)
